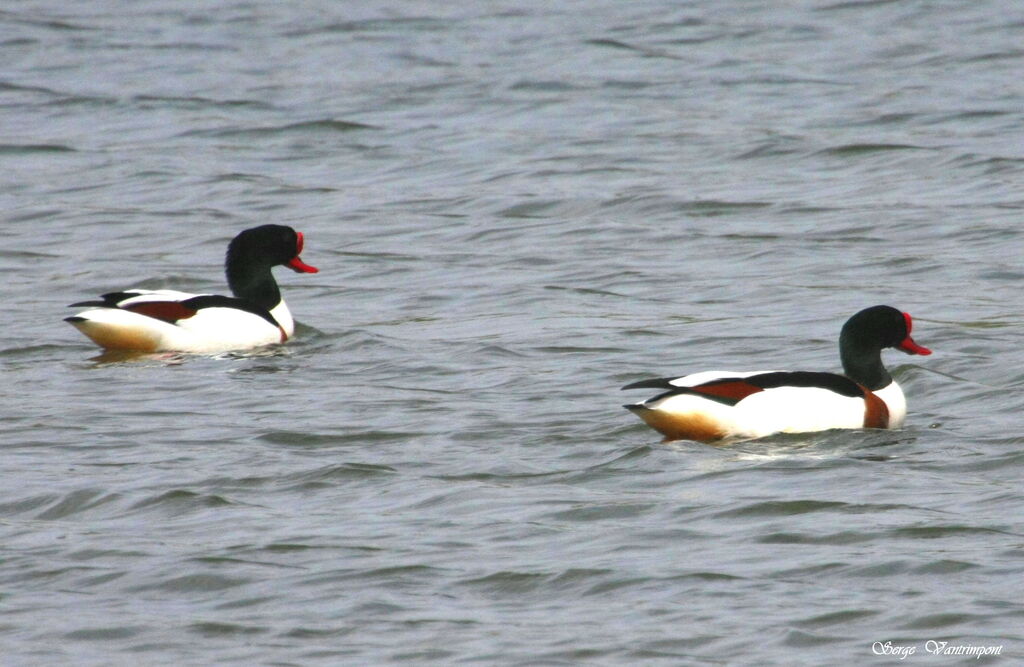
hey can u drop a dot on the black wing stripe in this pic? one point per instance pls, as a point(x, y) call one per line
point(839, 384)
point(109, 300)
point(679, 391)
point(220, 301)
point(721, 391)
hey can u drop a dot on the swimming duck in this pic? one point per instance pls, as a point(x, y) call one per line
point(713, 405)
point(172, 321)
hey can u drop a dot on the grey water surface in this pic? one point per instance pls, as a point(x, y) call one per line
point(516, 208)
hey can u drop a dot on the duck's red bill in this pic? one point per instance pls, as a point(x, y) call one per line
point(908, 345)
point(295, 263)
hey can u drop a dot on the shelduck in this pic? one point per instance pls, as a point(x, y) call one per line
point(172, 321)
point(713, 405)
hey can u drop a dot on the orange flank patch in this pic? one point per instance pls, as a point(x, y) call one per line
point(168, 311)
point(876, 412)
point(681, 427)
point(735, 390)
point(113, 337)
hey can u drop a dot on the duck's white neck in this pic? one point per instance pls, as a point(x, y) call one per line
point(894, 400)
point(284, 318)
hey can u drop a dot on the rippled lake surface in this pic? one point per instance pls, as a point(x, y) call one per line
point(516, 208)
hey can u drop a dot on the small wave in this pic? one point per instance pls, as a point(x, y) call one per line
point(194, 102)
point(29, 351)
point(944, 567)
point(194, 583)
point(302, 439)
point(53, 24)
point(843, 537)
point(856, 4)
point(306, 127)
point(26, 149)
point(945, 620)
point(867, 148)
point(1011, 54)
point(603, 512)
point(104, 634)
point(642, 50)
point(371, 25)
point(940, 532)
point(77, 502)
point(509, 582)
point(840, 618)
point(330, 476)
point(216, 630)
point(771, 149)
point(782, 508)
point(181, 501)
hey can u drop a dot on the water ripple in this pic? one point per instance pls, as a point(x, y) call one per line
point(515, 210)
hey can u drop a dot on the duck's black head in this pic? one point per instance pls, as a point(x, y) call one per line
point(254, 252)
point(866, 334)
point(269, 245)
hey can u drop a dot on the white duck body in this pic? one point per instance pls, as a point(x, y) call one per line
point(210, 330)
point(169, 320)
point(714, 405)
point(784, 409)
